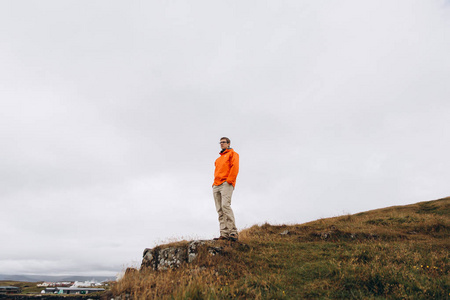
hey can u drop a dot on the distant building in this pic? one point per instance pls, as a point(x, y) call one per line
point(64, 283)
point(70, 290)
point(45, 284)
point(9, 290)
point(54, 284)
point(86, 284)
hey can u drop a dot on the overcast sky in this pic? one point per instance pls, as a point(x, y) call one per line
point(111, 114)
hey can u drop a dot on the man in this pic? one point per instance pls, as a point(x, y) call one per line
point(227, 169)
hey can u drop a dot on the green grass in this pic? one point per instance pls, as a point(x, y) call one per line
point(397, 252)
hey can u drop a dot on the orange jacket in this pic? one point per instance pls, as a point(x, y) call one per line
point(227, 167)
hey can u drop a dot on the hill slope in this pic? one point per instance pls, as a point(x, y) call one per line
point(398, 252)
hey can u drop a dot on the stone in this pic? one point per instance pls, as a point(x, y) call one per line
point(213, 249)
point(163, 258)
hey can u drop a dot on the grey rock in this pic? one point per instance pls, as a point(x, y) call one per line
point(163, 258)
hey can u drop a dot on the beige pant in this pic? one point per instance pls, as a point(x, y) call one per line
point(222, 197)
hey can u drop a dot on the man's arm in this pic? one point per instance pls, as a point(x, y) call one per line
point(234, 170)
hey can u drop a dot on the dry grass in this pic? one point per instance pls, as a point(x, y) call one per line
point(397, 252)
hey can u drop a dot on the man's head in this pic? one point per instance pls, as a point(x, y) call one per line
point(224, 143)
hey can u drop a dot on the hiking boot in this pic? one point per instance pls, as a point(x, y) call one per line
point(220, 238)
point(233, 237)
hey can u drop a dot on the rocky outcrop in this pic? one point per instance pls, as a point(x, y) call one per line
point(165, 257)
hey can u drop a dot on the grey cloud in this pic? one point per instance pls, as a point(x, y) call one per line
point(111, 113)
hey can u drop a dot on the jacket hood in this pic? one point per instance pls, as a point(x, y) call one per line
point(225, 151)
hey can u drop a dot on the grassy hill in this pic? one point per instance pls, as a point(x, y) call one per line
point(399, 252)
